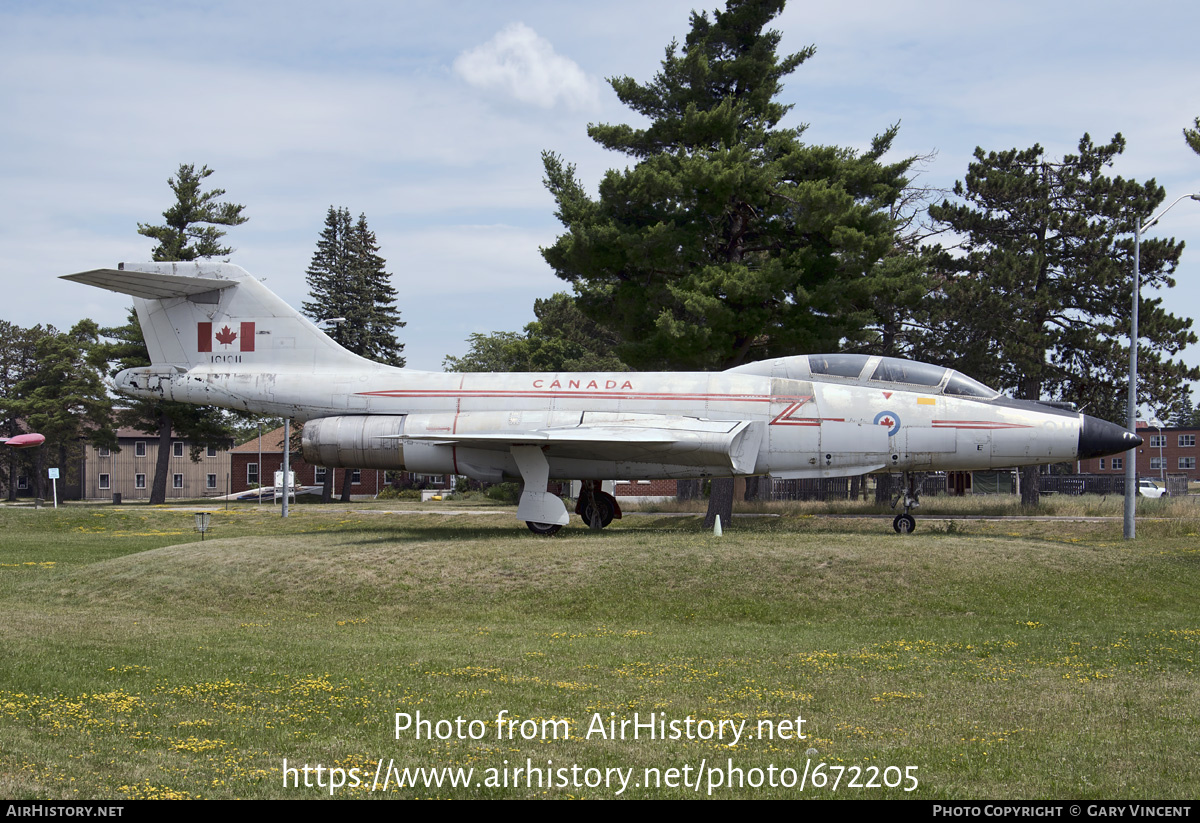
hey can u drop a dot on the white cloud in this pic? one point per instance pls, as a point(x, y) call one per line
point(521, 63)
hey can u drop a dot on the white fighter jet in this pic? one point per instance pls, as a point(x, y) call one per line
point(218, 337)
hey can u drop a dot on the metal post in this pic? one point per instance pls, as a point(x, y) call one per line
point(1131, 455)
point(287, 436)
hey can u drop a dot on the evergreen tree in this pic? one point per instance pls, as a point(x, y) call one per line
point(190, 232)
point(1192, 136)
point(379, 334)
point(18, 359)
point(347, 279)
point(1037, 300)
point(63, 397)
point(730, 239)
point(561, 339)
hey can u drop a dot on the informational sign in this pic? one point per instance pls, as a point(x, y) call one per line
point(291, 486)
point(52, 474)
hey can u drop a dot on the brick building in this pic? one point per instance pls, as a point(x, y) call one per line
point(244, 464)
point(1164, 451)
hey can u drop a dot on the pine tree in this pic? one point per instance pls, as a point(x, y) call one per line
point(1192, 136)
point(18, 360)
point(190, 232)
point(1037, 300)
point(379, 341)
point(348, 283)
point(561, 339)
point(730, 239)
point(63, 397)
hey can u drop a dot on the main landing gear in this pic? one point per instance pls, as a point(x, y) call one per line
point(911, 494)
point(597, 508)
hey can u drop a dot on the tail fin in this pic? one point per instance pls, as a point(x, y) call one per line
point(201, 313)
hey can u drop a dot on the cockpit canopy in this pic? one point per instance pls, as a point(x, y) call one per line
point(871, 370)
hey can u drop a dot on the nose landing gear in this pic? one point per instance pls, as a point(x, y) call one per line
point(911, 494)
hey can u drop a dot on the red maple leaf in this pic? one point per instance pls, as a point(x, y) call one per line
point(225, 336)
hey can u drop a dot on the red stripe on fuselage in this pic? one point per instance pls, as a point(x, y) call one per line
point(977, 424)
point(460, 394)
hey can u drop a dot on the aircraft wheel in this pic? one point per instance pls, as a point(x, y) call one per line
point(543, 529)
point(599, 513)
point(904, 524)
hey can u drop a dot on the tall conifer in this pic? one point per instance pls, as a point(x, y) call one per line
point(729, 239)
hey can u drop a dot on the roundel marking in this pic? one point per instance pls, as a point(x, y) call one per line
point(889, 419)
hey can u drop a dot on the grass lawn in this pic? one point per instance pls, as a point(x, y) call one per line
point(974, 659)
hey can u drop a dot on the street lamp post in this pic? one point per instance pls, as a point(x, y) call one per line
point(1131, 455)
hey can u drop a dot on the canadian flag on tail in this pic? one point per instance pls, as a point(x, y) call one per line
point(224, 337)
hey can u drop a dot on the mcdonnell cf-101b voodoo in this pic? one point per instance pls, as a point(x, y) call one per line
point(218, 337)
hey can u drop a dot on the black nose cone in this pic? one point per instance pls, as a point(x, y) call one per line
point(1098, 438)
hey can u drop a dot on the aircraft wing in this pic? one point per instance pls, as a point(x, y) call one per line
point(729, 445)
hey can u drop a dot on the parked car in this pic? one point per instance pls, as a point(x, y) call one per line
point(1148, 488)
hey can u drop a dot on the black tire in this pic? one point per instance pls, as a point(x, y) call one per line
point(604, 505)
point(904, 524)
point(543, 529)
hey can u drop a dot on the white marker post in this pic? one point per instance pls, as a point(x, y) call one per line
point(53, 474)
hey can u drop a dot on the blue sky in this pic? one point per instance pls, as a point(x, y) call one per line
point(430, 118)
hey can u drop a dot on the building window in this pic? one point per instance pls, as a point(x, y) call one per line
point(104, 481)
point(139, 448)
point(318, 474)
point(22, 482)
point(1101, 464)
point(102, 451)
point(1118, 463)
point(177, 448)
point(355, 477)
point(139, 481)
point(1187, 462)
point(1157, 463)
point(1158, 441)
point(211, 481)
point(177, 481)
point(251, 474)
point(212, 451)
point(1186, 440)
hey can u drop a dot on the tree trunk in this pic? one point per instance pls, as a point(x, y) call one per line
point(758, 488)
point(687, 488)
point(158, 493)
point(327, 486)
point(12, 474)
point(346, 475)
point(720, 502)
point(1030, 494)
point(883, 488)
point(39, 474)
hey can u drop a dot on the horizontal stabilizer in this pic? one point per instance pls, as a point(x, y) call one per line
point(149, 285)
